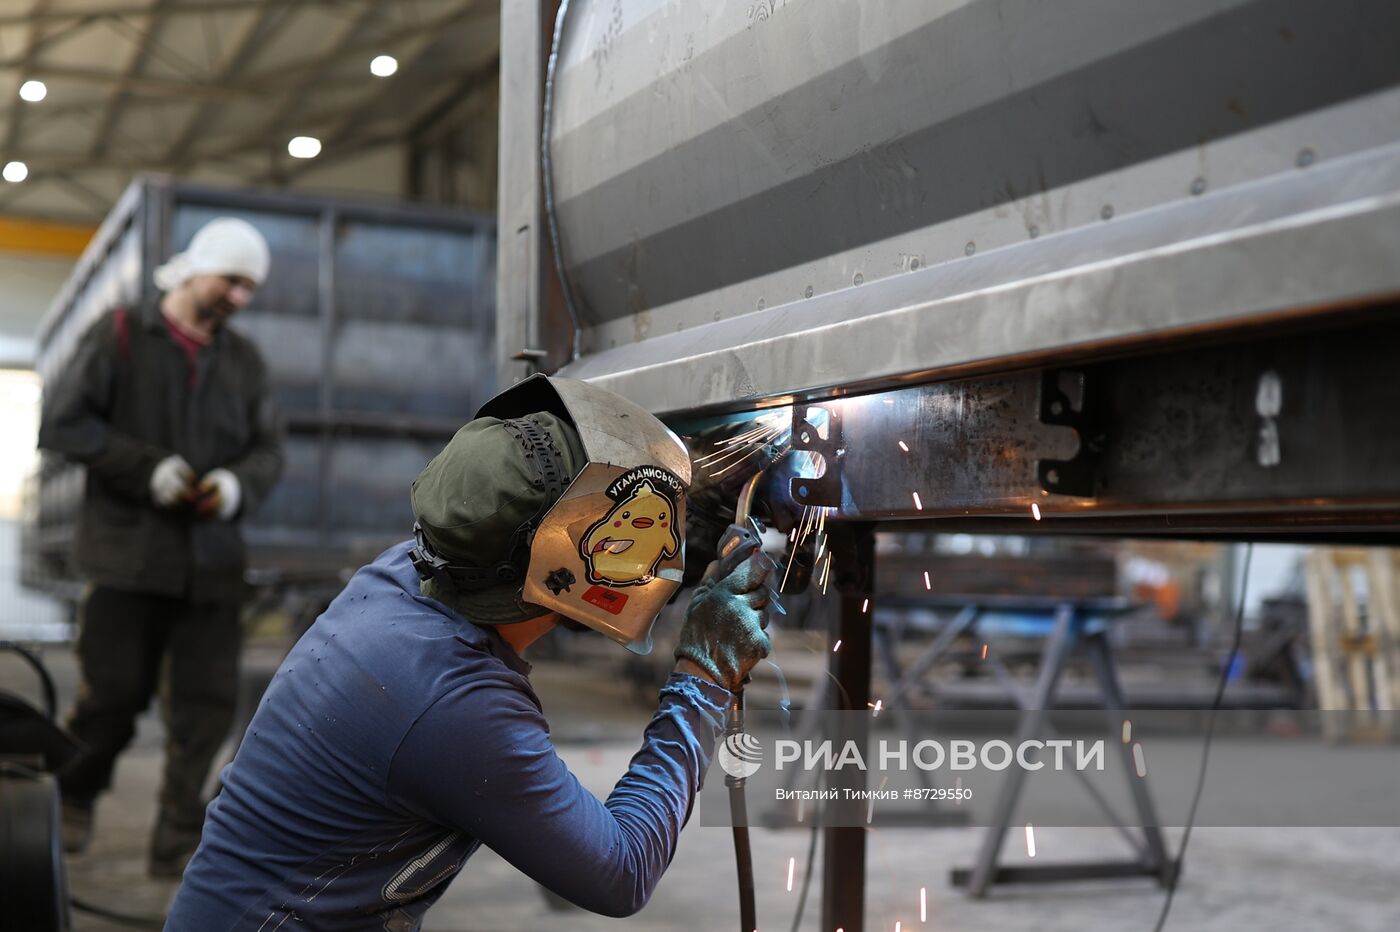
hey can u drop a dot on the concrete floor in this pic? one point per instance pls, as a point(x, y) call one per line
point(1297, 880)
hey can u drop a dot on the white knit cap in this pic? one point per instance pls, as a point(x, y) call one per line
point(224, 246)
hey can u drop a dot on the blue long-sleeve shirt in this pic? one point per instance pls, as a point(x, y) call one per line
point(394, 740)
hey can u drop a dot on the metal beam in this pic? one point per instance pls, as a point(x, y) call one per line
point(114, 10)
point(1269, 432)
point(26, 63)
point(18, 234)
point(348, 126)
point(337, 51)
point(134, 64)
point(521, 250)
point(267, 14)
point(843, 858)
point(148, 86)
point(272, 80)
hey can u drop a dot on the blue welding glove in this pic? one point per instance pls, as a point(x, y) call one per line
point(725, 630)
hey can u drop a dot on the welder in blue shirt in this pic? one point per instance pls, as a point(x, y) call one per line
point(402, 731)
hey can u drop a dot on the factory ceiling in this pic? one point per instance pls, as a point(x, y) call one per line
point(217, 89)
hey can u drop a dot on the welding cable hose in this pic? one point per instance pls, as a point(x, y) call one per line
point(739, 816)
point(738, 805)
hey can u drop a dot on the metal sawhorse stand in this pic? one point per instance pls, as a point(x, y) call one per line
point(1075, 621)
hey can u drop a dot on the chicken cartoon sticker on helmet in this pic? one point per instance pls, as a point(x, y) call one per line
point(627, 543)
point(610, 552)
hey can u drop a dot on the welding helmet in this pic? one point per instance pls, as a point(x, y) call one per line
point(607, 546)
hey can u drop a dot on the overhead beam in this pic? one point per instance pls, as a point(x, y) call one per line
point(143, 85)
point(20, 234)
point(337, 51)
point(274, 79)
point(344, 144)
point(31, 46)
point(346, 128)
point(134, 64)
point(268, 15)
point(115, 10)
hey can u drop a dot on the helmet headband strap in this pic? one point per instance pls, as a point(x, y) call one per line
point(548, 473)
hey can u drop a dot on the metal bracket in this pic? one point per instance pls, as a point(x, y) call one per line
point(824, 490)
point(1073, 476)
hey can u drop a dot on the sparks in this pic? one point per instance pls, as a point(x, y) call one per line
point(984, 651)
point(923, 904)
point(826, 573)
point(865, 606)
point(918, 503)
point(792, 866)
point(1035, 511)
point(876, 705)
point(1127, 731)
point(1139, 760)
point(928, 584)
point(837, 647)
point(757, 449)
point(896, 927)
point(1030, 839)
point(870, 810)
point(904, 446)
point(799, 530)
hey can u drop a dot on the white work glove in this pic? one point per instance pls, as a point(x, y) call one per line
point(219, 495)
point(171, 481)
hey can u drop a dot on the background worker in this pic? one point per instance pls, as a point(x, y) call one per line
point(402, 732)
point(169, 411)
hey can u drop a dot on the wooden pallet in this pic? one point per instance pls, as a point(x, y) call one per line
point(1354, 621)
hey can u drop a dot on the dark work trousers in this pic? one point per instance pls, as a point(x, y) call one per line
point(130, 644)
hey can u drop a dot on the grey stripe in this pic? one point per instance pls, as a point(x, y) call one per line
point(1269, 61)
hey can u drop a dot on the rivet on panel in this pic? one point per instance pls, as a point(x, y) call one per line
point(1107, 212)
point(1306, 157)
point(1198, 186)
point(970, 248)
point(859, 279)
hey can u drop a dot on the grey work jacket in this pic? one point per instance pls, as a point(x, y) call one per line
point(123, 403)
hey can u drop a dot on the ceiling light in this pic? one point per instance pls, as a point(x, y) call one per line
point(33, 91)
point(383, 66)
point(304, 147)
point(15, 172)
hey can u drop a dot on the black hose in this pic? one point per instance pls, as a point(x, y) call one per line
point(739, 816)
point(45, 680)
point(743, 860)
point(1175, 876)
